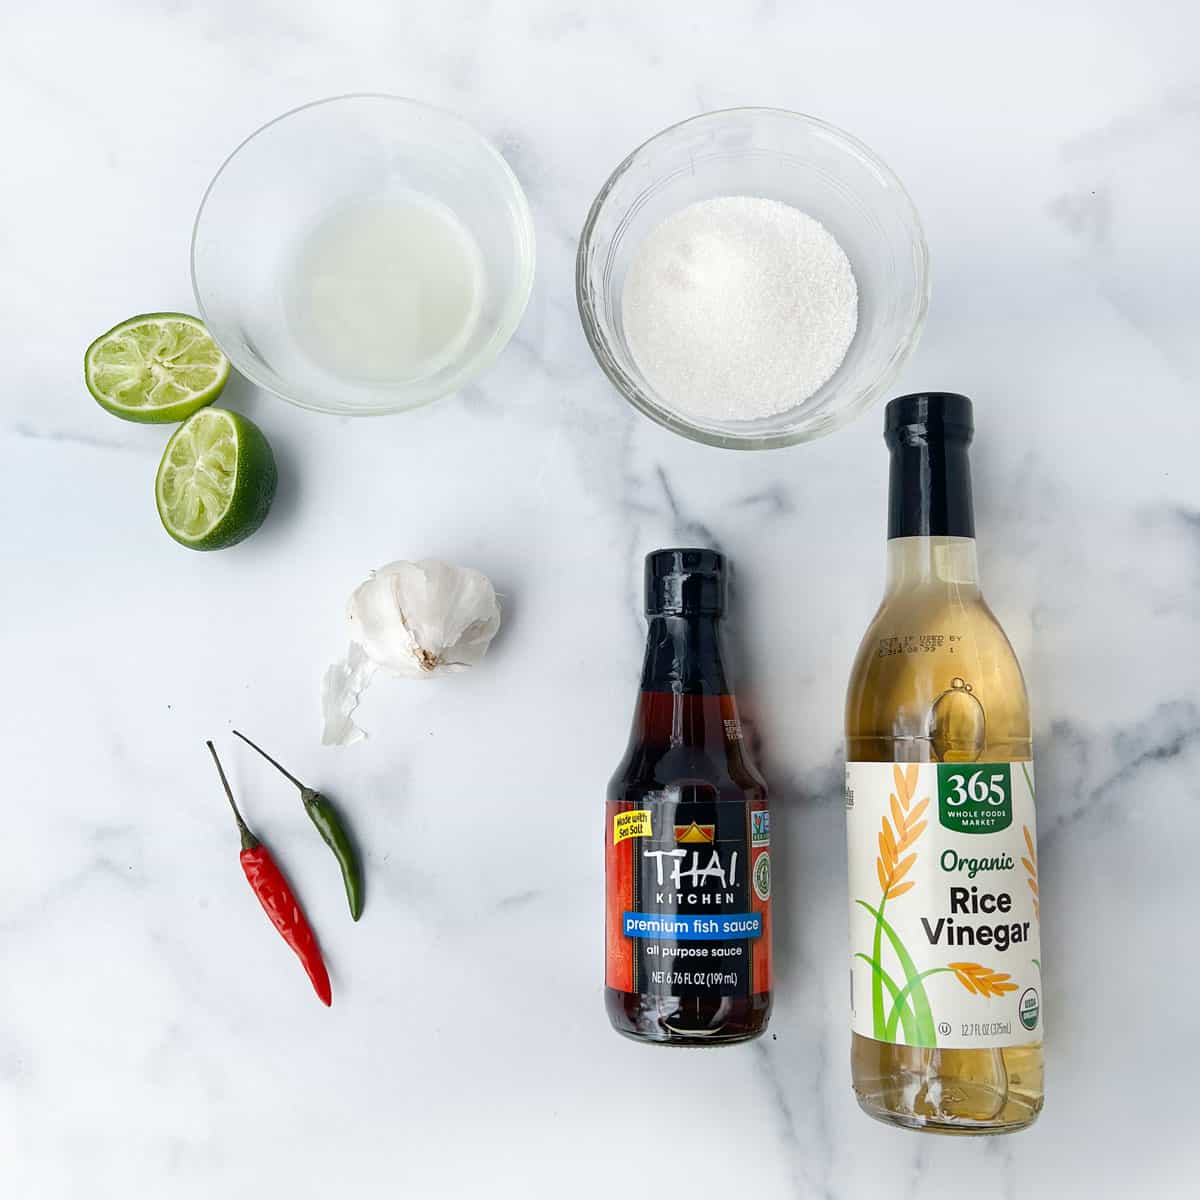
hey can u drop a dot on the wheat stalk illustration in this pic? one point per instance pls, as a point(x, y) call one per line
point(980, 981)
point(898, 836)
point(1030, 865)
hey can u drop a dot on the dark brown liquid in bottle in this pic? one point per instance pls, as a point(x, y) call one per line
point(686, 755)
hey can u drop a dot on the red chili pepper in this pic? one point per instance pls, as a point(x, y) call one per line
point(277, 898)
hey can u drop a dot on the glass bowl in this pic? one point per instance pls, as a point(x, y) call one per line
point(777, 155)
point(284, 181)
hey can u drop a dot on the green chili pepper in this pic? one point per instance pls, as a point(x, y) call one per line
point(329, 825)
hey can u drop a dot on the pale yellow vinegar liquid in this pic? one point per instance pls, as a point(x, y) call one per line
point(907, 707)
point(385, 289)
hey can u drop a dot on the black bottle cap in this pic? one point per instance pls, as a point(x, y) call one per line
point(685, 583)
point(928, 416)
point(930, 492)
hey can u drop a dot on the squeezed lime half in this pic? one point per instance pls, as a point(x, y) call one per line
point(216, 480)
point(155, 368)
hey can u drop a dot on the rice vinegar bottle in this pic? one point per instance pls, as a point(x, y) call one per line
point(945, 968)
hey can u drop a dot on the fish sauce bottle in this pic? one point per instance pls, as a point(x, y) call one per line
point(945, 959)
point(687, 832)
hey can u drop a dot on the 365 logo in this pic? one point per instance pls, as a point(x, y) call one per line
point(975, 797)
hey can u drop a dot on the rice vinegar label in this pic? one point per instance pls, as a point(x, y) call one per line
point(944, 907)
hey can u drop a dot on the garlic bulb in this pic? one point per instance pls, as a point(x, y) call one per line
point(415, 620)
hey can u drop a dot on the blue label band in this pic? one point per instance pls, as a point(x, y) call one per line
point(680, 928)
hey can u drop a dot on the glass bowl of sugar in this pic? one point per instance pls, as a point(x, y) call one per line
point(364, 254)
point(752, 278)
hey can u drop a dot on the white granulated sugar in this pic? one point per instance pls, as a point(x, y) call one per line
point(739, 307)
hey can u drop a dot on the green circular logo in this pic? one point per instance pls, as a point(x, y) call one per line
point(1030, 1008)
point(762, 876)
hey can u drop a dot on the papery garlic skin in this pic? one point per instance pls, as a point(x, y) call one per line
point(414, 619)
point(341, 687)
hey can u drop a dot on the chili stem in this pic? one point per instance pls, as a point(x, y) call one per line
point(278, 766)
point(249, 841)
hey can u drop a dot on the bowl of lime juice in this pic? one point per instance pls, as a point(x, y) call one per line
point(363, 255)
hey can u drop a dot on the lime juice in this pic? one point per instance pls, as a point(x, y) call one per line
point(386, 288)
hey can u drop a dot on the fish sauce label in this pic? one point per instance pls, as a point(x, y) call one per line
point(688, 910)
point(944, 907)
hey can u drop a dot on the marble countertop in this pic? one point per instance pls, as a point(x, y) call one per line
point(157, 1040)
